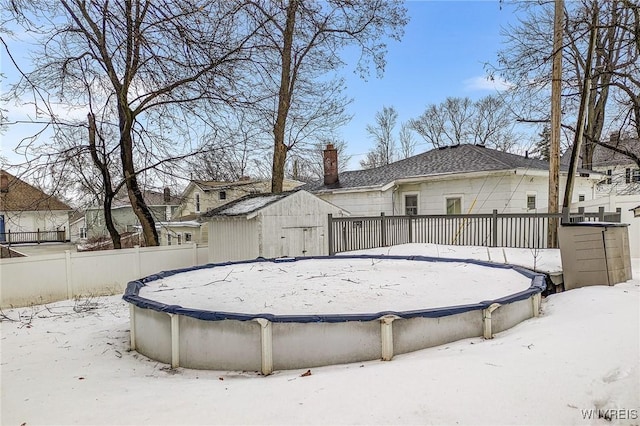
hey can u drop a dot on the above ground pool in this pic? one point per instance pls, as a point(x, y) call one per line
point(278, 314)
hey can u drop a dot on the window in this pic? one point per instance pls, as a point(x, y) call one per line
point(635, 175)
point(454, 205)
point(531, 202)
point(580, 197)
point(609, 177)
point(179, 239)
point(627, 176)
point(168, 239)
point(83, 232)
point(222, 195)
point(187, 237)
point(197, 203)
point(411, 205)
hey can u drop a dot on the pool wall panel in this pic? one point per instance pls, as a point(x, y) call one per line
point(153, 334)
point(221, 345)
point(419, 333)
point(305, 345)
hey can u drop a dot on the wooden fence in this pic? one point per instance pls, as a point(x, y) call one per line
point(57, 236)
point(524, 230)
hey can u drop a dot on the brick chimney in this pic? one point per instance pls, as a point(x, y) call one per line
point(167, 196)
point(4, 183)
point(330, 156)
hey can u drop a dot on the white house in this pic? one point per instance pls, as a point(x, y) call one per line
point(270, 225)
point(621, 175)
point(25, 208)
point(459, 179)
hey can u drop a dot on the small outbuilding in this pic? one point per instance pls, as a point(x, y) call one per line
point(290, 224)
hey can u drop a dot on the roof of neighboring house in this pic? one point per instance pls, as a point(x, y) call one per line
point(152, 198)
point(206, 186)
point(18, 195)
point(603, 156)
point(440, 161)
point(246, 205)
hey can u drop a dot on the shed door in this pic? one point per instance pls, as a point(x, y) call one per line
point(301, 241)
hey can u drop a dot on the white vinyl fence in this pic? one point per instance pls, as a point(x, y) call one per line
point(32, 280)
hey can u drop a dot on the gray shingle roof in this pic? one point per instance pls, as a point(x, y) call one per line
point(603, 156)
point(448, 160)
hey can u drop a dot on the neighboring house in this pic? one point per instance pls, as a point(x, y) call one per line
point(77, 227)
point(622, 175)
point(25, 208)
point(202, 196)
point(270, 225)
point(459, 179)
point(162, 205)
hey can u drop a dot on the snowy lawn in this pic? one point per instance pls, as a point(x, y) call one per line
point(68, 363)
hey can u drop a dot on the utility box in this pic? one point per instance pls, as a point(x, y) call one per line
point(594, 253)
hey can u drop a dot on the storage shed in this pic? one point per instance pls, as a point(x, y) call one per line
point(290, 224)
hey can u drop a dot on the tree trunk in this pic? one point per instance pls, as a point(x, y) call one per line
point(138, 204)
point(284, 102)
point(109, 194)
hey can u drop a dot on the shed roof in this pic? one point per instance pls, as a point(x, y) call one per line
point(246, 205)
point(440, 161)
point(18, 195)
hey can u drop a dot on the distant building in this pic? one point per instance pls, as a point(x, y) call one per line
point(162, 205)
point(25, 208)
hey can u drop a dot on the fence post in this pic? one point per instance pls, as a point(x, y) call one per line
point(38, 236)
point(601, 214)
point(194, 251)
point(137, 268)
point(410, 229)
point(494, 229)
point(67, 263)
point(383, 230)
point(332, 252)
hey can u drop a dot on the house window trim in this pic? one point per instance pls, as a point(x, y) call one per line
point(222, 195)
point(451, 197)
point(535, 201)
point(197, 202)
point(635, 175)
point(583, 196)
point(404, 201)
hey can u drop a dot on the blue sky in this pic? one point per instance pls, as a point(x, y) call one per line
point(442, 53)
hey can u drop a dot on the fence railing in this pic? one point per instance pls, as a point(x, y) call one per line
point(33, 237)
point(523, 230)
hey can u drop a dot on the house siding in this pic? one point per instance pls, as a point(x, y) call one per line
point(242, 232)
point(123, 219)
point(506, 193)
point(29, 221)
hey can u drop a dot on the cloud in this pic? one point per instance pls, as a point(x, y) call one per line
point(484, 83)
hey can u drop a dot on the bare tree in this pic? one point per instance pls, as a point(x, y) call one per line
point(382, 135)
point(148, 61)
point(407, 141)
point(486, 121)
point(613, 103)
point(303, 41)
point(306, 168)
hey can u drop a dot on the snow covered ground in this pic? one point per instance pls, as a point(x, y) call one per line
point(68, 363)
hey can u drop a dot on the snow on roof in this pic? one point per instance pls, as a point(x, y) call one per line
point(248, 205)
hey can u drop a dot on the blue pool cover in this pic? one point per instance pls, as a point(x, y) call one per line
point(538, 285)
